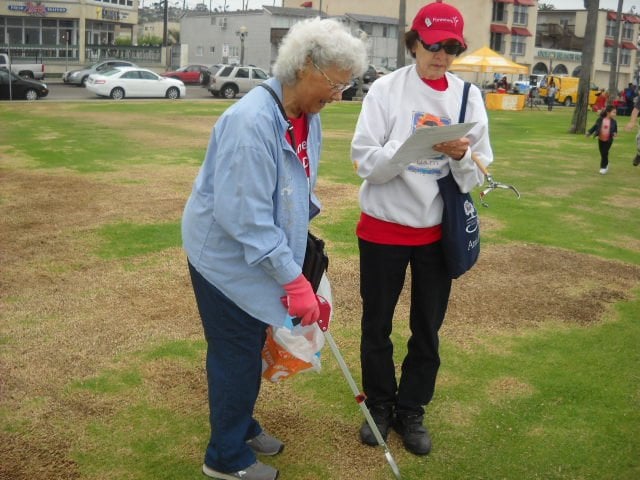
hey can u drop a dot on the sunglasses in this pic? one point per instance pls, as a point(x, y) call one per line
point(449, 48)
point(336, 87)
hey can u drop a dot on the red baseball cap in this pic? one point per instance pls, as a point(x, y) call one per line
point(437, 22)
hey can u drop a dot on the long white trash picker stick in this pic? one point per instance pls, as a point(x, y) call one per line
point(325, 289)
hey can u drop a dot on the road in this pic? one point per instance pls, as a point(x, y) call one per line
point(61, 91)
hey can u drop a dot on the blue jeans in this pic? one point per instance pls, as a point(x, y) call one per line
point(234, 371)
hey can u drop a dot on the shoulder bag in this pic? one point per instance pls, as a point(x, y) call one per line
point(316, 260)
point(460, 223)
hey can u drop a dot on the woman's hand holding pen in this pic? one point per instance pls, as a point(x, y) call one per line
point(454, 148)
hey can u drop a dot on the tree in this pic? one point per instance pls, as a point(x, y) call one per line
point(613, 73)
point(546, 6)
point(579, 120)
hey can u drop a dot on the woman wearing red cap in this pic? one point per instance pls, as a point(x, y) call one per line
point(401, 215)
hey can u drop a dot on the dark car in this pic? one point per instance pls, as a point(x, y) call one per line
point(21, 88)
point(205, 76)
point(352, 91)
point(370, 75)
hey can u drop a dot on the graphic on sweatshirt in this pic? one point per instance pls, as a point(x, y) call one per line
point(431, 165)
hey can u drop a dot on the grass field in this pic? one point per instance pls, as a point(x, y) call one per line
point(101, 349)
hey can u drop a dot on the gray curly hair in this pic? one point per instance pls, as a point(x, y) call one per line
point(327, 42)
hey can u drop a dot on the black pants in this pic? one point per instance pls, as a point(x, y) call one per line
point(382, 275)
point(604, 148)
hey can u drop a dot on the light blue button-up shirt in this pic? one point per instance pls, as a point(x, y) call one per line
point(244, 227)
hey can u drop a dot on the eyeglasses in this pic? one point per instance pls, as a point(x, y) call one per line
point(449, 48)
point(336, 87)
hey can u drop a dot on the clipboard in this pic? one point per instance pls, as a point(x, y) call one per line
point(420, 144)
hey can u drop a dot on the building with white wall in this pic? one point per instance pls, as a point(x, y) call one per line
point(215, 38)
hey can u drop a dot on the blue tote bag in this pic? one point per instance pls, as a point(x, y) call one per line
point(460, 223)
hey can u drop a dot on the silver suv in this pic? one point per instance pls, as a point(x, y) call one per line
point(232, 80)
point(79, 77)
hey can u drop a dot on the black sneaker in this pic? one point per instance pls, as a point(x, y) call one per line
point(382, 416)
point(636, 161)
point(415, 436)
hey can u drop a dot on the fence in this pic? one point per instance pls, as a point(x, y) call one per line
point(93, 53)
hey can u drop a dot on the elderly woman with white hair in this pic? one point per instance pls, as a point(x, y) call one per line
point(245, 227)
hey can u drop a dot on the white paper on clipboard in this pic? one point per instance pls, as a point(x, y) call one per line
point(420, 144)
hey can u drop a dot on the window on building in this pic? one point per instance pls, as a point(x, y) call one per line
point(100, 33)
point(608, 55)
point(625, 57)
point(611, 28)
point(367, 28)
point(518, 45)
point(520, 15)
point(497, 42)
point(50, 36)
point(390, 31)
point(15, 35)
point(499, 12)
point(627, 31)
point(212, 49)
point(199, 51)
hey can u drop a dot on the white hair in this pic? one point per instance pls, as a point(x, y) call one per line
point(327, 42)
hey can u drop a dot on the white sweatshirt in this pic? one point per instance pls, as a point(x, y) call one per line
point(409, 195)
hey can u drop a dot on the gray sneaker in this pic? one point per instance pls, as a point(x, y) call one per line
point(257, 471)
point(265, 444)
point(636, 160)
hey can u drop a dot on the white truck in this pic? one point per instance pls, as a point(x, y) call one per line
point(25, 70)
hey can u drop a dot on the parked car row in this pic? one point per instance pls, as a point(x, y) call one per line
point(118, 79)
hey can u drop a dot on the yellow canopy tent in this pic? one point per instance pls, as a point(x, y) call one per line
point(485, 60)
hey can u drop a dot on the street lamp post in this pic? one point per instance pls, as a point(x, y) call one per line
point(242, 33)
point(67, 34)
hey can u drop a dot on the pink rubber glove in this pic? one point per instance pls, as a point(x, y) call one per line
point(302, 301)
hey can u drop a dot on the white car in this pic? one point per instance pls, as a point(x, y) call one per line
point(231, 80)
point(129, 82)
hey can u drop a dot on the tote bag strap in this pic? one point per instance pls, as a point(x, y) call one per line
point(284, 114)
point(465, 96)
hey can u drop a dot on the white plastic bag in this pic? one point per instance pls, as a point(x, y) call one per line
point(289, 350)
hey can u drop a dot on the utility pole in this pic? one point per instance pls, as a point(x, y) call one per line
point(402, 20)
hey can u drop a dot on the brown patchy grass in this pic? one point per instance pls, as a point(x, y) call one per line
point(67, 315)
